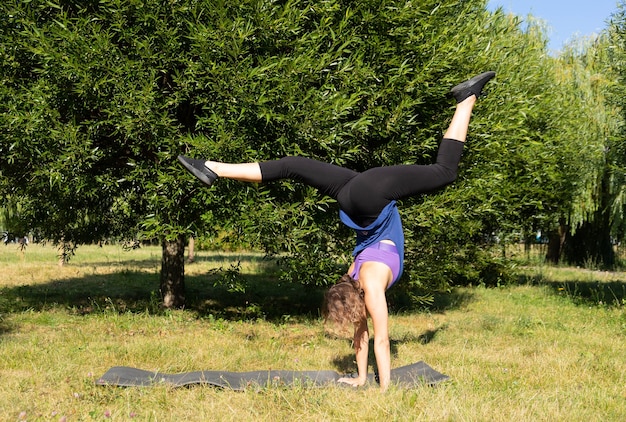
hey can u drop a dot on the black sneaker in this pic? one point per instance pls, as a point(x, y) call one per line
point(471, 87)
point(198, 169)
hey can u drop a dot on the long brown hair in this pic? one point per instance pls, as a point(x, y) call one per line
point(344, 303)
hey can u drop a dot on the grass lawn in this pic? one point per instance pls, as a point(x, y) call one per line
point(552, 348)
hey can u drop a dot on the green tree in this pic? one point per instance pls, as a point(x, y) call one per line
point(603, 74)
point(97, 100)
point(521, 173)
point(596, 128)
point(90, 124)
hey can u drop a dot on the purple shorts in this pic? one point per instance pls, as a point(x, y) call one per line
point(384, 253)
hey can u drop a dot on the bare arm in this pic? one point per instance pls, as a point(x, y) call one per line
point(379, 314)
point(374, 277)
point(361, 348)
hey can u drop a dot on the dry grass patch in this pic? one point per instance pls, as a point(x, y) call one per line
point(531, 352)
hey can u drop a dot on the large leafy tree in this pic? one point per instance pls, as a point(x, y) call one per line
point(97, 100)
point(600, 84)
point(92, 116)
point(596, 131)
point(522, 172)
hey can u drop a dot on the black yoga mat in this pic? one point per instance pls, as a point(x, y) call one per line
point(408, 376)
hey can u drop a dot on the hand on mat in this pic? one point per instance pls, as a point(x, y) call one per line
point(354, 382)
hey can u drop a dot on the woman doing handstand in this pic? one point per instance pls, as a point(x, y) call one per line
point(367, 203)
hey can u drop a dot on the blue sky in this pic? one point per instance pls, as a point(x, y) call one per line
point(565, 18)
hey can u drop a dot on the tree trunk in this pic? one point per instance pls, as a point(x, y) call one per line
point(556, 240)
point(591, 245)
point(191, 254)
point(173, 273)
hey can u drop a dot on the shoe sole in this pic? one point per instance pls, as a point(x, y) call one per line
point(198, 173)
point(467, 85)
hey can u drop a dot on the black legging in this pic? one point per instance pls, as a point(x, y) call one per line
point(363, 195)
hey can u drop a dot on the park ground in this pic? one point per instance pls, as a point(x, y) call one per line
point(551, 347)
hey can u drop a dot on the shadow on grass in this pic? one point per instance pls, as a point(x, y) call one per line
point(135, 291)
point(347, 365)
point(155, 263)
point(215, 295)
point(242, 296)
point(587, 293)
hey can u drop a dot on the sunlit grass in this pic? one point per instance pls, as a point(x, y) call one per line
point(528, 352)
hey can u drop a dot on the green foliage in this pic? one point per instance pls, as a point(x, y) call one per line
point(89, 126)
point(506, 185)
point(613, 59)
point(97, 100)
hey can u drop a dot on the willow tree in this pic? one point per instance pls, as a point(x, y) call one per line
point(522, 170)
point(94, 112)
point(594, 130)
point(98, 99)
point(600, 76)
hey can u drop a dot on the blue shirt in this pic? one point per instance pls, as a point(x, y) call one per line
point(387, 226)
